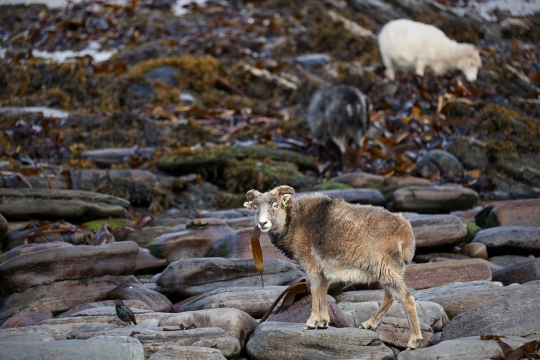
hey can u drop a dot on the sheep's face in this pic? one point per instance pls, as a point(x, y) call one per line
point(270, 211)
point(470, 64)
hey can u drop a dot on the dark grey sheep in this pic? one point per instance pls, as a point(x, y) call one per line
point(339, 115)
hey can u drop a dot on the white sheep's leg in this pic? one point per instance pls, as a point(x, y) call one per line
point(373, 322)
point(315, 318)
point(388, 64)
point(420, 66)
point(324, 316)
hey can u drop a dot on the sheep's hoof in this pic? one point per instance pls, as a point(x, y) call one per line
point(309, 327)
point(366, 326)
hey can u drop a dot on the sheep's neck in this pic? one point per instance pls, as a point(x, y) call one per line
point(283, 240)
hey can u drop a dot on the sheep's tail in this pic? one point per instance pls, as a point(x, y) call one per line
point(407, 245)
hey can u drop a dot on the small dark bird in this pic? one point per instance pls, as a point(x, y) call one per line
point(124, 312)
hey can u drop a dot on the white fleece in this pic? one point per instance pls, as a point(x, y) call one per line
point(409, 44)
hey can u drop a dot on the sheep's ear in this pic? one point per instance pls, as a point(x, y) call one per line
point(248, 204)
point(252, 194)
point(285, 199)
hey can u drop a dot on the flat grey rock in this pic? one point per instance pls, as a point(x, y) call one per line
point(355, 196)
point(428, 312)
point(462, 349)
point(435, 199)
point(234, 322)
point(510, 240)
point(188, 277)
point(519, 273)
point(456, 298)
point(253, 300)
point(154, 339)
point(36, 333)
point(187, 353)
point(511, 316)
point(432, 231)
point(284, 341)
point(110, 347)
point(70, 205)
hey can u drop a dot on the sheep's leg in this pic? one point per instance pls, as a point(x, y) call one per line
point(420, 66)
point(324, 316)
point(341, 143)
point(389, 72)
point(373, 322)
point(410, 309)
point(314, 320)
point(399, 291)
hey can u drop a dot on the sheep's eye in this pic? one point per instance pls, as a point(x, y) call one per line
point(256, 207)
point(275, 205)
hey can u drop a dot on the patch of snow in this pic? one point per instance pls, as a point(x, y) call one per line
point(179, 8)
point(485, 8)
point(54, 4)
point(47, 112)
point(68, 55)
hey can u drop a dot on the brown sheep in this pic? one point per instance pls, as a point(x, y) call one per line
point(333, 239)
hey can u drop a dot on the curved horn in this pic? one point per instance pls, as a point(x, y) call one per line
point(282, 189)
point(252, 194)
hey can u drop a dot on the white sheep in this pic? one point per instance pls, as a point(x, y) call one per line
point(333, 239)
point(406, 44)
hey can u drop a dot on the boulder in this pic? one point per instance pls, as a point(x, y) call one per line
point(107, 303)
point(471, 347)
point(104, 316)
point(62, 295)
point(354, 196)
point(283, 341)
point(439, 162)
point(70, 205)
point(386, 185)
point(300, 311)
point(508, 260)
point(361, 296)
point(148, 264)
point(428, 312)
point(519, 273)
point(110, 347)
point(432, 231)
point(234, 322)
point(475, 250)
point(251, 299)
point(188, 277)
point(155, 339)
point(30, 248)
point(35, 333)
point(172, 352)
point(67, 263)
point(434, 199)
point(395, 332)
point(423, 276)
point(32, 315)
point(456, 298)
point(515, 213)
point(195, 241)
point(507, 240)
point(238, 245)
point(132, 291)
point(511, 316)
